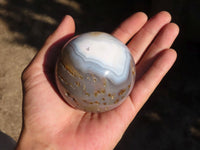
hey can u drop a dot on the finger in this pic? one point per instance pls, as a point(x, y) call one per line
point(143, 88)
point(145, 36)
point(148, 82)
point(163, 41)
point(130, 26)
point(66, 27)
point(64, 30)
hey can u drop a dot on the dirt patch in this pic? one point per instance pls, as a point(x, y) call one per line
point(13, 59)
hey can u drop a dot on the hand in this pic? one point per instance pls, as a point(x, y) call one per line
point(49, 123)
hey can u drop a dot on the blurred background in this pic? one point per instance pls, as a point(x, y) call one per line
point(171, 117)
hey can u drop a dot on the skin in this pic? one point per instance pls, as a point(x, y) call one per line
point(50, 124)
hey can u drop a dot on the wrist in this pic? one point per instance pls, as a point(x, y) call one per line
point(32, 142)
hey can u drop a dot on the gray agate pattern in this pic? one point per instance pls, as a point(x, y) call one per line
point(95, 72)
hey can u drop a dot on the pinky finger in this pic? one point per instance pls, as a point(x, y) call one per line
point(146, 84)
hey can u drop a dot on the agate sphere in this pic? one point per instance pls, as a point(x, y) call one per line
point(95, 72)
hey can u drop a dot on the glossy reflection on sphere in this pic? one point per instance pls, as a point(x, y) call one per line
point(95, 72)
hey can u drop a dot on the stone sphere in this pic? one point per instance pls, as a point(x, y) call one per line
point(95, 72)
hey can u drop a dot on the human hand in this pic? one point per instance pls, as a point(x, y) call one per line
point(49, 123)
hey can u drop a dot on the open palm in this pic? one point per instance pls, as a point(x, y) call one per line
point(50, 123)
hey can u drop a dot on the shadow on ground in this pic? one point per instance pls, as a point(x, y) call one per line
point(6, 142)
point(171, 118)
point(36, 19)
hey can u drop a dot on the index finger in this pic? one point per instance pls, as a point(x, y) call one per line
point(125, 31)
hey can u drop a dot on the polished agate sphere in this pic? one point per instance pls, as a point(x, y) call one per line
point(95, 72)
